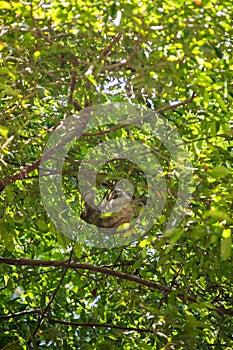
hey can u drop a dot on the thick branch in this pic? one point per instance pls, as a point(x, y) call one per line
point(74, 265)
point(109, 272)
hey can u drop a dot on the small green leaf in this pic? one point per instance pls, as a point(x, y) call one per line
point(42, 224)
point(63, 240)
point(3, 131)
point(218, 172)
point(36, 54)
point(5, 5)
point(226, 248)
point(78, 250)
point(218, 214)
point(221, 102)
point(226, 233)
point(9, 242)
point(144, 243)
point(218, 52)
point(113, 10)
point(162, 219)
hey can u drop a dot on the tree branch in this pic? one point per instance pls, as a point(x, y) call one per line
point(21, 313)
point(107, 49)
point(76, 324)
point(182, 103)
point(71, 100)
point(109, 272)
point(100, 325)
point(74, 265)
point(22, 174)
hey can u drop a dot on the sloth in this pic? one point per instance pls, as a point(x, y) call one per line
point(118, 209)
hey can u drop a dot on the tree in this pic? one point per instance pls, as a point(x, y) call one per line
point(167, 289)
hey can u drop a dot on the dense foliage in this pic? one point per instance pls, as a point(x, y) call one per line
point(167, 290)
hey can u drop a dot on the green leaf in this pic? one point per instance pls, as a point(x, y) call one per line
point(221, 102)
point(219, 214)
point(42, 225)
point(219, 172)
point(226, 248)
point(78, 250)
point(219, 53)
point(9, 242)
point(3, 131)
point(5, 5)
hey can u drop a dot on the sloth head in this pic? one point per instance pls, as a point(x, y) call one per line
point(118, 208)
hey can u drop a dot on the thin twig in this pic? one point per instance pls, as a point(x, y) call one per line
point(100, 325)
point(21, 313)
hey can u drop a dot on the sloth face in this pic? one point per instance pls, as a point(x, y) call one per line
point(117, 200)
point(116, 210)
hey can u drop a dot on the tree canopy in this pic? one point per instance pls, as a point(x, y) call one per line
point(60, 63)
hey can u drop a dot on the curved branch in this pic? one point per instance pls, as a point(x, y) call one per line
point(109, 272)
point(75, 265)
